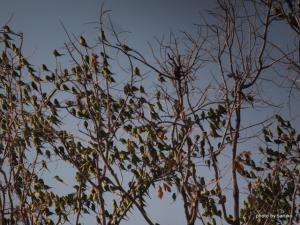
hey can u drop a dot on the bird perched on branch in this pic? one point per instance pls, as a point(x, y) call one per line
point(6, 28)
point(136, 71)
point(125, 48)
point(44, 67)
point(56, 54)
point(83, 42)
point(102, 36)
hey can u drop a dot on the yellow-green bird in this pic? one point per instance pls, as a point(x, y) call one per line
point(74, 91)
point(48, 154)
point(44, 67)
point(44, 165)
point(141, 89)
point(56, 54)
point(104, 55)
point(59, 180)
point(6, 37)
point(125, 48)
point(83, 42)
point(102, 36)
point(6, 44)
point(114, 203)
point(6, 28)
point(56, 102)
point(73, 112)
point(30, 69)
point(65, 87)
point(13, 47)
point(86, 58)
point(85, 124)
point(48, 78)
point(35, 78)
point(136, 71)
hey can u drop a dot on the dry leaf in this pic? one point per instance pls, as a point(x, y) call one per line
point(166, 187)
point(211, 180)
point(247, 156)
point(36, 194)
point(231, 75)
point(95, 58)
point(160, 192)
point(246, 153)
point(169, 183)
point(241, 162)
point(184, 186)
point(34, 218)
point(130, 146)
point(252, 200)
point(169, 163)
point(161, 136)
point(239, 167)
point(285, 137)
point(270, 133)
point(43, 105)
point(288, 162)
point(27, 142)
point(222, 200)
point(194, 194)
point(204, 191)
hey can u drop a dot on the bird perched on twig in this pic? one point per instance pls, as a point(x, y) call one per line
point(56, 54)
point(83, 42)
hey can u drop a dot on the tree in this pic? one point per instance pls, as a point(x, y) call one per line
point(130, 140)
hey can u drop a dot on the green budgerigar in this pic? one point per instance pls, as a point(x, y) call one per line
point(83, 42)
point(102, 36)
point(56, 54)
point(6, 28)
point(59, 179)
point(44, 67)
point(136, 71)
